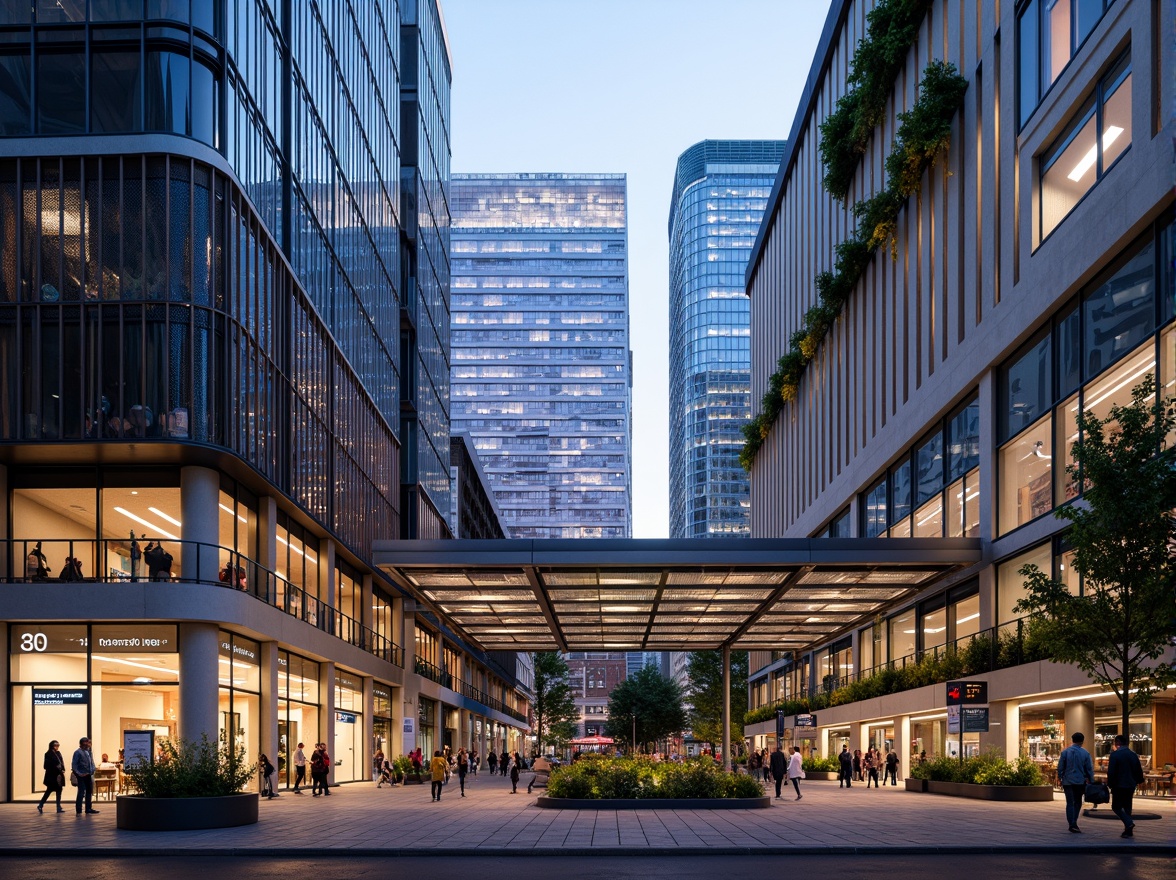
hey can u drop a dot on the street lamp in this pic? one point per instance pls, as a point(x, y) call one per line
point(633, 715)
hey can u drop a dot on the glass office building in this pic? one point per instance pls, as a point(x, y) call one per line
point(212, 216)
point(721, 189)
point(541, 377)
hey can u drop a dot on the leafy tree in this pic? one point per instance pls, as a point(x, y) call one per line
point(650, 698)
point(704, 694)
point(556, 715)
point(1123, 533)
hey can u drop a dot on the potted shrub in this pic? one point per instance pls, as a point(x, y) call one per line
point(401, 768)
point(816, 767)
point(190, 786)
point(986, 777)
point(595, 783)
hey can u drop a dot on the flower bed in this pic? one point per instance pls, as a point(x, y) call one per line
point(986, 777)
point(596, 778)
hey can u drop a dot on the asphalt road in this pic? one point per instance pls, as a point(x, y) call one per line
point(908, 867)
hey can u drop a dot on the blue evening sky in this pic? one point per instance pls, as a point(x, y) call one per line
point(616, 86)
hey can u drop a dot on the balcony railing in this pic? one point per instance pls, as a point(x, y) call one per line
point(1001, 647)
point(185, 562)
point(428, 670)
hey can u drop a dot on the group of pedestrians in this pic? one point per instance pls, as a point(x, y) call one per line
point(81, 768)
point(1124, 774)
point(866, 767)
point(781, 767)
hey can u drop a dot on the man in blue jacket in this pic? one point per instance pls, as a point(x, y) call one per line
point(1075, 772)
point(83, 767)
point(1124, 772)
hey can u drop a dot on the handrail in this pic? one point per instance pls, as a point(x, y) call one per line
point(127, 561)
point(447, 679)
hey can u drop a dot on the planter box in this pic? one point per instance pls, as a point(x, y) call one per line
point(916, 784)
point(138, 813)
point(827, 775)
point(412, 779)
point(1015, 793)
point(752, 803)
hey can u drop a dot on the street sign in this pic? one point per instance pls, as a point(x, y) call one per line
point(974, 719)
point(967, 693)
point(953, 719)
point(806, 720)
point(779, 726)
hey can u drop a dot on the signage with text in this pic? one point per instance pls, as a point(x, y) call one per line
point(345, 717)
point(953, 719)
point(806, 720)
point(409, 737)
point(974, 719)
point(138, 746)
point(967, 693)
point(75, 696)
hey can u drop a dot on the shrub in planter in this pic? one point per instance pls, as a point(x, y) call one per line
point(817, 764)
point(401, 768)
point(640, 779)
point(988, 768)
point(192, 770)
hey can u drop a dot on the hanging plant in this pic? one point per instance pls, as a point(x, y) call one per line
point(924, 135)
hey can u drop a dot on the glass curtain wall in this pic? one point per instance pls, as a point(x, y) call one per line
point(350, 749)
point(299, 710)
point(240, 695)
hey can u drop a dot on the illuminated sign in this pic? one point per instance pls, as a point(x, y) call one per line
point(967, 693)
point(345, 717)
point(974, 719)
point(806, 721)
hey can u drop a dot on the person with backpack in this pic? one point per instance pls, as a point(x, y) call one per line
point(267, 776)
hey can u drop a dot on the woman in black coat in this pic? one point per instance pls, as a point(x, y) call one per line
point(54, 780)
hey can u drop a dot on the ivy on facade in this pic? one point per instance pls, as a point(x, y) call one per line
point(924, 135)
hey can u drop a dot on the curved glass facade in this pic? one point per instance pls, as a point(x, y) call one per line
point(720, 193)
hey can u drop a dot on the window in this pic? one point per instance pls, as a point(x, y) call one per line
point(1010, 584)
point(114, 90)
point(1026, 468)
point(1049, 34)
point(61, 92)
point(1025, 387)
point(874, 510)
point(1094, 139)
point(16, 89)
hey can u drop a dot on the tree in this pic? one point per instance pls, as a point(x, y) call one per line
point(1123, 533)
point(556, 714)
point(704, 693)
point(650, 701)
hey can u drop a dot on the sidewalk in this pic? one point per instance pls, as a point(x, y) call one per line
point(360, 819)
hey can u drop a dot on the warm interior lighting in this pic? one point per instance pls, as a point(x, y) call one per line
point(230, 513)
point(174, 672)
point(170, 519)
point(146, 523)
point(1087, 161)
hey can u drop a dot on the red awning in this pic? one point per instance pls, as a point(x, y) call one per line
point(593, 741)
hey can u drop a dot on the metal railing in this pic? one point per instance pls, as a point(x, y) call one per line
point(431, 671)
point(179, 562)
point(999, 647)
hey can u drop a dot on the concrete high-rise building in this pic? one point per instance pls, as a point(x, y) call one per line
point(216, 228)
point(720, 191)
point(541, 378)
point(1032, 277)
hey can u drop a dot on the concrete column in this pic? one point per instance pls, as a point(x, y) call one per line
point(270, 670)
point(327, 716)
point(1080, 719)
point(199, 677)
point(267, 532)
point(857, 736)
point(369, 725)
point(988, 462)
point(727, 707)
point(855, 655)
point(199, 497)
point(5, 668)
point(902, 744)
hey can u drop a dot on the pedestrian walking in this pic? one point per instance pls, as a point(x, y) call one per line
point(268, 775)
point(299, 769)
point(891, 768)
point(54, 780)
point(438, 767)
point(474, 763)
point(796, 770)
point(870, 763)
point(320, 768)
point(377, 764)
point(778, 766)
point(1075, 772)
point(463, 767)
point(492, 762)
point(504, 761)
point(514, 774)
point(845, 771)
point(82, 766)
point(857, 764)
point(1124, 773)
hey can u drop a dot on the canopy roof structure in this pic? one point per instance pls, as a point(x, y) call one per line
point(658, 594)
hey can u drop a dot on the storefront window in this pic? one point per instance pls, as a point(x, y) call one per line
point(350, 760)
point(382, 719)
point(928, 739)
point(70, 681)
point(240, 686)
point(134, 517)
point(298, 709)
point(1043, 736)
point(427, 734)
point(1107, 726)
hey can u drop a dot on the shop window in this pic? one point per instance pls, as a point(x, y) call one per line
point(239, 702)
point(1010, 585)
point(1094, 139)
point(1043, 736)
point(1026, 483)
point(1049, 34)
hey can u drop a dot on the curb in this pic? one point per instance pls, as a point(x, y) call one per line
point(286, 853)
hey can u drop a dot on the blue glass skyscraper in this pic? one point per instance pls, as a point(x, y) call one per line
point(541, 376)
point(720, 193)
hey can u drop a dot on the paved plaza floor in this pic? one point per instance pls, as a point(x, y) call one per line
point(359, 819)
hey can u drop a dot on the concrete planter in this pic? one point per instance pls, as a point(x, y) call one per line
point(753, 803)
point(137, 813)
point(827, 775)
point(916, 784)
point(1015, 793)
